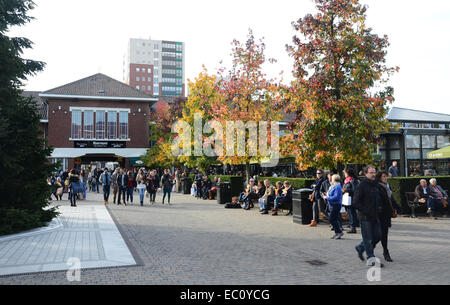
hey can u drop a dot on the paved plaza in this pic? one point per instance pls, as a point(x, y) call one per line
point(196, 241)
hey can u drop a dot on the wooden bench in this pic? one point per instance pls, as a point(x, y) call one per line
point(412, 203)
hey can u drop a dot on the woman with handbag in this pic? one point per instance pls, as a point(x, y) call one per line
point(388, 210)
point(348, 190)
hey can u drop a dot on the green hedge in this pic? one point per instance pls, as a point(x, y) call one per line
point(399, 186)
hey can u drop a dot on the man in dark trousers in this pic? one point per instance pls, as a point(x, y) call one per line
point(122, 182)
point(105, 178)
point(367, 201)
point(317, 196)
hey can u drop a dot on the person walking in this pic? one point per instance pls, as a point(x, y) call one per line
point(316, 196)
point(74, 187)
point(59, 188)
point(350, 184)
point(130, 187)
point(122, 182)
point(114, 184)
point(141, 188)
point(389, 208)
point(334, 198)
point(105, 179)
point(367, 202)
point(152, 186)
point(166, 184)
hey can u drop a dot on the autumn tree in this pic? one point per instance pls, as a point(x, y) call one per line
point(246, 96)
point(202, 93)
point(340, 93)
point(163, 115)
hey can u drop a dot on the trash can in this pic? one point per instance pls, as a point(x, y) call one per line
point(186, 185)
point(237, 185)
point(302, 207)
point(224, 192)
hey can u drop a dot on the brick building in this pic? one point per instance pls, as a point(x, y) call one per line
point(95, 119)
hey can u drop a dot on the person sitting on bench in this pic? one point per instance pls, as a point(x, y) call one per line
point(285, 199)
point(422, 192)
point(268, 194)
point(437, 198)
point(249, 194)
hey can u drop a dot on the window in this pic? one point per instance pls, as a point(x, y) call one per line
point(112, 123)
point(149, 71)
point(155, 81)
point(155, 90)
point(76, 124)
point(137, 87)
point(137, 78)
point(149, 88)
point(123, 125)
point(156, 46)
point(88, 124)
point(443, 141)
point(149, 79)
point(100, 124)
point(138, 70)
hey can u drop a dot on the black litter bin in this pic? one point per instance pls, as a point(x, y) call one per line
point(302, 206)
point(223, 192)
point(186, 185)
point(237, 185)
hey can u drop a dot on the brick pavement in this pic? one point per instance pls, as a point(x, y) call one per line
point(199, 242)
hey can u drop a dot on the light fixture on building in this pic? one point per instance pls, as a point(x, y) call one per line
point(139, 109)
point(59, 107)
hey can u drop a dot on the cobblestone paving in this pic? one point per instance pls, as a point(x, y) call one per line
point(195, 241)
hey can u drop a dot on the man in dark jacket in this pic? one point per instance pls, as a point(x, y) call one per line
point(367, 202)
point(317, 196)
point(122, 183)
point(422, 192)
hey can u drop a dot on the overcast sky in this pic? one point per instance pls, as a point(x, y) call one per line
point(80, 38)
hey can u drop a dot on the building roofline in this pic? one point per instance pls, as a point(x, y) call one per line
point(419, 111)
point(93, 97)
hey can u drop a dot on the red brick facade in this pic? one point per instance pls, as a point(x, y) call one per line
point(144, 83)
point(59, 120)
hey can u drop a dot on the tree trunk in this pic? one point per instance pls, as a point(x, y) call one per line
point(247, 172)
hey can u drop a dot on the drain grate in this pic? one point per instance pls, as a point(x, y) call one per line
point(316, 262)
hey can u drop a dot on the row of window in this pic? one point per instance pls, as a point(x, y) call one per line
point(143, 70)
point(105, 124)
point(155, 46)
point(149, 89)
point(138, 79)
point(168, 46)
point(172, 89)
point(426, 125)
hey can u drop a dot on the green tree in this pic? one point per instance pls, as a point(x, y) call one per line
point(340, 93)
point(24, 158)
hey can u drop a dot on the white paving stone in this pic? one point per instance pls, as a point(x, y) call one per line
point(86, 232)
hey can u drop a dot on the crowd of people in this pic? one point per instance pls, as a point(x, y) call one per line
point(121, 182)
point(369, 202)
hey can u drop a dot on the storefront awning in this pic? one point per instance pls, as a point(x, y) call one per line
point(136, 162)
point(78, 152)
point(442, 153)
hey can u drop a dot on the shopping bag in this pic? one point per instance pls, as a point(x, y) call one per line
point(346, 200)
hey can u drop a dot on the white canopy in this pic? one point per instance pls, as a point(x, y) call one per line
point(78, 152)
